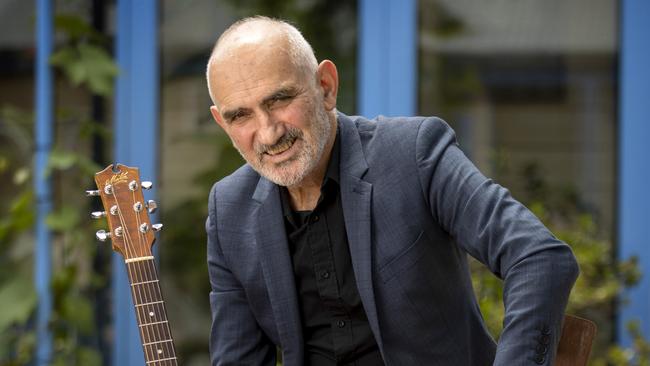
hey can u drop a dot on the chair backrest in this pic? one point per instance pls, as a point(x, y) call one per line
point(575, 343)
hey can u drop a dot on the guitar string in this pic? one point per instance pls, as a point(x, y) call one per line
point(151, 330)
point(127, 238)
point(163, 312)
point(159, 307)
point(130, 251)
point(145, 329)
point(151, 288)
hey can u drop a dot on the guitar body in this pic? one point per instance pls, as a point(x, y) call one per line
point(132, 235)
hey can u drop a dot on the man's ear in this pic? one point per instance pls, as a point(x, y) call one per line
point(217, 116)
point(328, 78)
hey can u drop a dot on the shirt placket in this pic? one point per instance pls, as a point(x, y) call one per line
point(327, 282)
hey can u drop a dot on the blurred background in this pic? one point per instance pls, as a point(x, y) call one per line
point(548, 98)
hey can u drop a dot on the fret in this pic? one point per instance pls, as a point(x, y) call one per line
point(150, 343)
point(161, 350)
point(144, 282)
point(154, 323)
point(153, 313)
point(155, 333)
point(165, 359)
point(150, 303)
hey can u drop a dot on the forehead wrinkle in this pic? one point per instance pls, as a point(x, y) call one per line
point(239, 78)
point(284, 87)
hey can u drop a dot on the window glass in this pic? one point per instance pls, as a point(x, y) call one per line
point(530, 88)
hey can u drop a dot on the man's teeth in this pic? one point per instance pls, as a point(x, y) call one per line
point(280, 149)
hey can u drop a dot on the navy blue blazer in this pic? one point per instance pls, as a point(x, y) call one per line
point(414, 206)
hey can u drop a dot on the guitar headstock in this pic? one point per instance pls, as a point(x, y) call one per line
point(126, 210)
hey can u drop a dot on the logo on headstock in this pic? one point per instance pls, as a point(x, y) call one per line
point(122, 177)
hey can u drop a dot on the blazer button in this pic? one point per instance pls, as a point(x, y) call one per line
point(341, 323)
point(546, 330)
point(541, 349)
point(545, 339)
point(539, 359)
point(325, 275)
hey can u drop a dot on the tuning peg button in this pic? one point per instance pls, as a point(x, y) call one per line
point(146, 184)
point(91, 193)
point(156, 227)
point(98, 214)
point(133, 185)
point(102, 235)
point(151, 206)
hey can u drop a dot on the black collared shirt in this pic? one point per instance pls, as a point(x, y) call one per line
point(335, 327)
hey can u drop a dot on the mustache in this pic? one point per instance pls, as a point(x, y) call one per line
point(282, 143)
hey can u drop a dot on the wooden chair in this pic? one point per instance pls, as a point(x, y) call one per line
point(575, 343)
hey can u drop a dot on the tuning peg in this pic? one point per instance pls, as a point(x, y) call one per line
point(156, 227)
point(102, 235)
point(146, 184)
point(91, 193)
point(98, 214)
point(151, 206)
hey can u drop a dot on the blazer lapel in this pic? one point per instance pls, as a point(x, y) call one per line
point(356, 197)
point(278, 271)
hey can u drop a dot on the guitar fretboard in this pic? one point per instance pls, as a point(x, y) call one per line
point(155, 332)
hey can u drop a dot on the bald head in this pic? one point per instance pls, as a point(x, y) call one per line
point(255, 33)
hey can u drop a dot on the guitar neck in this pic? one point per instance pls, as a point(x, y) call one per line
point(155, 332)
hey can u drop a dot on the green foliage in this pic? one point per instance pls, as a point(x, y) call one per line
point(87, 64)
point(83, 57)
point(83, 60)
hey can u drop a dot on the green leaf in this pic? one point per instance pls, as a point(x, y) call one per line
point(78, 312)
point(100, 68)
point(87, 64)
point(18, 299)
point(63, 57)
point(63, 220)
point(60, 160)
point(88, 357)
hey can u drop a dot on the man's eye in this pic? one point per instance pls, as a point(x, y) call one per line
point(279, 100)
point(237, 117)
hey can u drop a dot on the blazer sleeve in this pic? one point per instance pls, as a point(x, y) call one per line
point(235, 337)
point(538, 270)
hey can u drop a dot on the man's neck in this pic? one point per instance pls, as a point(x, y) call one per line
point(304, 198)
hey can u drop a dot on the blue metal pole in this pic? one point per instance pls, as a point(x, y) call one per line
point(136, 137)
point(634, 174)
point(44, 116)
point(387, 57)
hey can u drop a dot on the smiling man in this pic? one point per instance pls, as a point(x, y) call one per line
point(343, 240)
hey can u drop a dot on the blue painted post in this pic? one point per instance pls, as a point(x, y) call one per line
point(44, 115)
point(634, 196)
point(387, 67)
point(136, 136)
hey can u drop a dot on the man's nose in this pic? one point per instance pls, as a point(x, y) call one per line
point(270, 129)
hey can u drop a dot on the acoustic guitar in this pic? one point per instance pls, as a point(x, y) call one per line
point(132, 235)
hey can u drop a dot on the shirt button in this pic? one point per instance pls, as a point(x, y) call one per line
point(341, 323)
point(325, 275)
